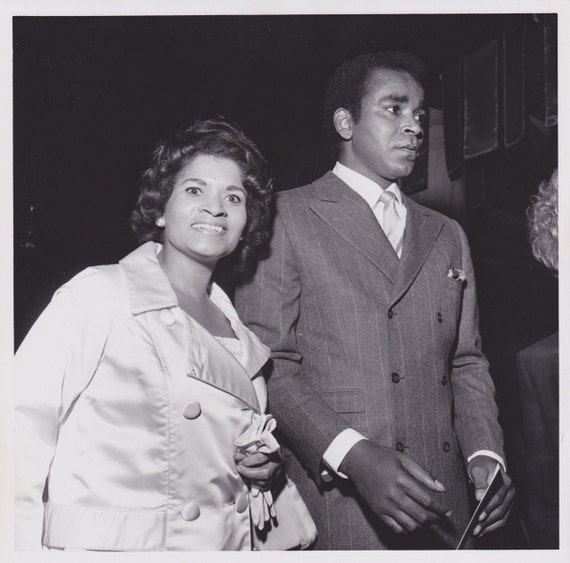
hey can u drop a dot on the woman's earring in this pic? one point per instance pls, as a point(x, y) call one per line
point(160, 222)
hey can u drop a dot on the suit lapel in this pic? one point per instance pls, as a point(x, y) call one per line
point(348, 214)
point(422, 230)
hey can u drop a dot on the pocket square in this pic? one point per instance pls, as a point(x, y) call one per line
point(456, 274)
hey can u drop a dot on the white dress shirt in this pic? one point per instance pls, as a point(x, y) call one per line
point(370, 191)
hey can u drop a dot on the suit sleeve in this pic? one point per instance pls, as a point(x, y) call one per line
point(270, 306)
point(476, 412)
point(53, 365)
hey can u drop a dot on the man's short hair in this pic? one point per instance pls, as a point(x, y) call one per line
point(349, 83)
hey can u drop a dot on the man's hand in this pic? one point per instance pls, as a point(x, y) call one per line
point(497, 511)
point(259, 468)
point(396, 488)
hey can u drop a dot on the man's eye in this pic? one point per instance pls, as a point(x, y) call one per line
point(192, 190)
point(420, 118)
point(394, 109)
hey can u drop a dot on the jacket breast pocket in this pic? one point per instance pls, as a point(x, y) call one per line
point(349, 404)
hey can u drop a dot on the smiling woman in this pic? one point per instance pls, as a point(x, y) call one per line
point(138, 380)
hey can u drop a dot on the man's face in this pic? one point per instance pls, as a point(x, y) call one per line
point(386, 139)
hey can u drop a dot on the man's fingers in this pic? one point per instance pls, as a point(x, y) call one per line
point(502, 497)
point(426, 501)
point(392, 524)
point(421, 475)
point(483, 528)
point(504, 507)
point(408, 523)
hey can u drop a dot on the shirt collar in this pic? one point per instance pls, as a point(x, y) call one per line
point(367, 189)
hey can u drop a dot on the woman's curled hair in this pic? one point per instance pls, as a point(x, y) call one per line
point(213, 137)
point(543, 223)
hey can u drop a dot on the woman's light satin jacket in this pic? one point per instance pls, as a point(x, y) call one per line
point(131, 408)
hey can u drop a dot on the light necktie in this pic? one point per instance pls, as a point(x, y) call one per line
point(392, 223)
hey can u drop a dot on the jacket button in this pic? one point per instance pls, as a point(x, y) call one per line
point(167, 317)
point(190, 512)
point(241, 503)
point(192, 410)
point(439, 317)
point(444, 380)
point(390, 313)
point(395, 377)
point(400, 446)
point(446, 447)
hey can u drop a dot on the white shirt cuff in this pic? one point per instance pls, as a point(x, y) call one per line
point(338, 448)
point(488, 453)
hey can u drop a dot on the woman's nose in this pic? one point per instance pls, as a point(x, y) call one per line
point(214, 207)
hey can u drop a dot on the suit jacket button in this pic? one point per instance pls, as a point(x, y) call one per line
point(192, 410)
point(444, 380)
point(395, 377)
point(439, 317)
point(400, 446)
point(390, 313)
point(446, 447)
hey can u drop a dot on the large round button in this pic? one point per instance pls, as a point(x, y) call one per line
point(241, 503)
point(446, 447)
point(400, 446)
point(192, 409)
point(390, 313)
point(439, 317)
point(395, 377)
point(167, 317)
point(190, 512)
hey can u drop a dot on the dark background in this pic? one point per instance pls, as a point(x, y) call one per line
point(93, 94)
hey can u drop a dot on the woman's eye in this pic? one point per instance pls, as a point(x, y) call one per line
point(234, 198)
point(192, 190)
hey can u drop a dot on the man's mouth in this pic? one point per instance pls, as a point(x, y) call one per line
point(209, 228)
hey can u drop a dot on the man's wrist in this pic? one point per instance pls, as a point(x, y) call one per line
point(490, 454)
point(336, 453)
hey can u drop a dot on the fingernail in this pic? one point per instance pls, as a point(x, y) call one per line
point(448, 513)
point(476, 530)
point(439, 485)
point(482, 516)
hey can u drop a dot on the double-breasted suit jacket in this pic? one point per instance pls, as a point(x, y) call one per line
point(361, 339)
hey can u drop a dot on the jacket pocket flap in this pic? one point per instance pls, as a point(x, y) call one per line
point(345, 400)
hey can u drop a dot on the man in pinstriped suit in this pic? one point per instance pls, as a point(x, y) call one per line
point(367, 300)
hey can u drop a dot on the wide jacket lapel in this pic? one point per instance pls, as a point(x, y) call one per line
point(184, 347)
point(422, 230)
point(348, 214)
point(187, 349)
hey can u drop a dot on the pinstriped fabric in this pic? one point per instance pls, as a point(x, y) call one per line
point(363, 340)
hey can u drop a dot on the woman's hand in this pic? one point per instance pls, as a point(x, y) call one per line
point(259, 468)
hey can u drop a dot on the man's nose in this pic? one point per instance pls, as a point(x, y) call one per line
point(412, 126)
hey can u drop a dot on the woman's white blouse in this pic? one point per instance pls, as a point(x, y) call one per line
point(131, 408)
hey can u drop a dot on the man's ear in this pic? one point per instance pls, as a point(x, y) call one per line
point(343, 123)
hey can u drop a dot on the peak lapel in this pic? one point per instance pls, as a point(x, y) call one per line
point(422, 230)
point(348, 214)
